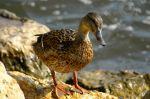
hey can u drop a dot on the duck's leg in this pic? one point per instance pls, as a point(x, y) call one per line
point(54, 77)
point(59, 89)
point(78, 88)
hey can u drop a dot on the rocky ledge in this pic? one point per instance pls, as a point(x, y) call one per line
point(123, 84)
point(9, 88)
point(16, 38)
point(42, 89)
point(28, 78)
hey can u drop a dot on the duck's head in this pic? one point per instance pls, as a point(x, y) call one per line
point(92, 22)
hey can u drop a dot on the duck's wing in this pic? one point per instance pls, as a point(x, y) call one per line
point(57, 39)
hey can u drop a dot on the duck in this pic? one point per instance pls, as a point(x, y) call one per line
point(67, 50)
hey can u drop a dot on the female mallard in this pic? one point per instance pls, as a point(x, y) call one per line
point(67, 50)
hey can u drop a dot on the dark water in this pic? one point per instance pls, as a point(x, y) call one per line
point(126, 27)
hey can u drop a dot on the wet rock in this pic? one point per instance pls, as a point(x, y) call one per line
point(9, 88)
point(124, 84)
point(35, 88)
point(16, 38)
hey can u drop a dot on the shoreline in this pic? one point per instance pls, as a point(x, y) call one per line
point(17, 35)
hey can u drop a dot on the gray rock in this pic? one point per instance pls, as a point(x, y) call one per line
point(124, 84)
point(9, 88)
point(16, 38)
point(35, 88)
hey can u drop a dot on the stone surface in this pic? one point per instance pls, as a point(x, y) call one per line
point(9, 88)
point(91, 95)
point(147, 95)
point(16, 38)
point(34, 88)
point(124, 84)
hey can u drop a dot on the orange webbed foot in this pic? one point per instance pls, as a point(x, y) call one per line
point(78, 89)
point(61, 90)
point(65, 89)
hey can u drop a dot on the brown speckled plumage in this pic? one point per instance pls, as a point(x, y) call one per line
point(67, 50)
point(61, 52)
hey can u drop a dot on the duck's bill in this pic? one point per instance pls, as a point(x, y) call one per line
point(99, 38)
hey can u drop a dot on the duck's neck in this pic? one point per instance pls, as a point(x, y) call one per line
point(83, 34)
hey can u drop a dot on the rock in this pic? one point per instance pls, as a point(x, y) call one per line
point(32, 87)
point(8, 14)
point(35, 88)
point(147, 95)
point(91, 95)
point(9, 88)
point(124, 84)
point(17, 36)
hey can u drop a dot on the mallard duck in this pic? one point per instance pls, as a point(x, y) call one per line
point(68, 50)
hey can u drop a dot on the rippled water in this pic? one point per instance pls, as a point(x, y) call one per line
point(126, 27)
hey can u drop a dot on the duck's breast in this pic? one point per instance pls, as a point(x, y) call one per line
point(73, 59)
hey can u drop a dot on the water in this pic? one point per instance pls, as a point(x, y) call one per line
point(126, 27)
